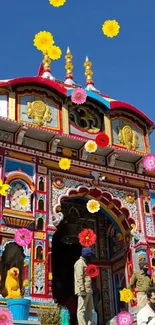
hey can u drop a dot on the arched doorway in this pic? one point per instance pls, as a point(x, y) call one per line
point(112, 227)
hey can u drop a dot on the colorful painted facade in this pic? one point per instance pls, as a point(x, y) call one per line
point(39, 125)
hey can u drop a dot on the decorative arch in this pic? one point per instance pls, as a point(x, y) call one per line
point(19, 196)
point(120, 215)
point(15, 175)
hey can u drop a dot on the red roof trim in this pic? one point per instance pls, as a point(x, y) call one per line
point(116, 104)
point(35, 80)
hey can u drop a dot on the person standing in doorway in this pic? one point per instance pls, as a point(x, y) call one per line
point(83, 288)
point(142, 282)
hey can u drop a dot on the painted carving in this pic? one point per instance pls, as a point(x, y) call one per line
point(128, 137)
point(130, 198)
point(112, 159)
point(39, 111)
point(12, 283)
point(85, 118)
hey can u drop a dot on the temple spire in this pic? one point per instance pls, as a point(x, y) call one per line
point(89, 74)
point(69, 68)
point(46, 67)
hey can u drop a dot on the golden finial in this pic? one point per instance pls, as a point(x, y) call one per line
point(69, 67)
point(46, 62)
point(89, 74)
point(88, 71)
point(46, 67)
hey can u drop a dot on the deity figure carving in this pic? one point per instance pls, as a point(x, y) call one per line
point(39, 111)
point(128, 137)
point(12, 287)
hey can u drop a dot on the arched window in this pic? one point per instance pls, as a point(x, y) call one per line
point(40, 223)
point(19, 196)
point(39, 252)
point(41, 184)
point(147, 207)
point(41, 204)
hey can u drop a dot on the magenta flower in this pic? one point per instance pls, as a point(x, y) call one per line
point(23, 237)
point(79, 96)
point(149, 162)
point(5, 317)
point(124, 318)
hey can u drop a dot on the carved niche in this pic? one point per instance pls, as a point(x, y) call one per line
point(87, 118)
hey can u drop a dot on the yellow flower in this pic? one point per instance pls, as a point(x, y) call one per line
point(64, 163)
point(54, 52)
point(3, 188)
point(24, 201)
point(91, 146)
point(43, 40)
point(57, 3)
point(126, 295)
point(93, 206)
point(111, 28)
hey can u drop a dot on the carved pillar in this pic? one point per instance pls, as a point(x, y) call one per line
point(12, 106)
point(65, 120)
point(50, 276)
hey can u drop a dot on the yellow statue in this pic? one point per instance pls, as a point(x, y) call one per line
point(128, 137)
point(39, 111)
point(12, 288)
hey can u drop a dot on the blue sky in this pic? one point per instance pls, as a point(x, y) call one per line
point(124, 67)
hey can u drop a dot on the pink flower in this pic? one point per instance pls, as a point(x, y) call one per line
point(23, 237)
point(79, 96)
point(5, 317)
point(124, 318)
point(149, 162)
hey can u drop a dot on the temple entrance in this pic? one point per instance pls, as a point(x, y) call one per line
point(109, 252)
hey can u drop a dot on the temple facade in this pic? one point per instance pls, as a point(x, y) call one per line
point(39, 125)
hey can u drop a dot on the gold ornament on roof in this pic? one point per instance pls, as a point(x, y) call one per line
point(128, 137)
point(88, 71)
point(69, 65)
point(39, 111)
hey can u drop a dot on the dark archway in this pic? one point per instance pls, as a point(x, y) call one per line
point(110, 248)
point(40, 223)
point(13, 256)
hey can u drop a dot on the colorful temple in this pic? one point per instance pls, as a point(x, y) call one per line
point(39, 125)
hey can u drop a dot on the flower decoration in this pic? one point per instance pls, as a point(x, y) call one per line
point(126, 295)
point(124, 318)
point(102, 140)
point(79, 96)
point(92, 271)
point(5, 317)
point(130, 198)
point(54, 52)
point(64, 163)
point(24, 201)
point(87, 237)
point(57, 3)
point(23, 237)
point(93, 206)
point(43, 40)
point(90, 146)
point(111, 28)
point(149, 162)
point(3, 188)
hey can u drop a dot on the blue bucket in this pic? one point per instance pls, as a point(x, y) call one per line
point(19, 308)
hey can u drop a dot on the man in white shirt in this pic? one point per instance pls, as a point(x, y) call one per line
point(147, 314)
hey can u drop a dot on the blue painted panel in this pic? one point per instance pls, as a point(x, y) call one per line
point(11, 165)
